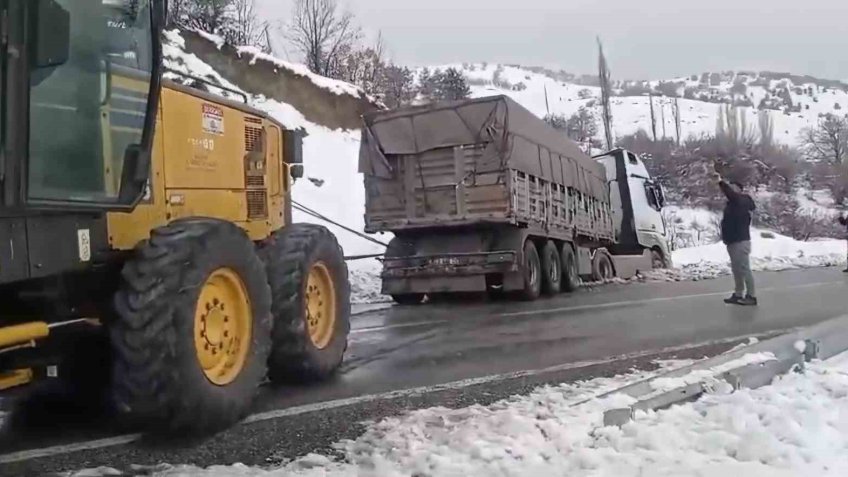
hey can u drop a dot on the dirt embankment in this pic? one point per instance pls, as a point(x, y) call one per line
point(259, 76)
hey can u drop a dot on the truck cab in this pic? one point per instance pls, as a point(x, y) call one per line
point(637, 202)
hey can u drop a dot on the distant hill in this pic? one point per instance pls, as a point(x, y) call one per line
point(793, 101)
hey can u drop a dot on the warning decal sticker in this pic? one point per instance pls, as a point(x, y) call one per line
point(213, 119)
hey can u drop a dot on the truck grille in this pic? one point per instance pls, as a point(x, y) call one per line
point(257, 204)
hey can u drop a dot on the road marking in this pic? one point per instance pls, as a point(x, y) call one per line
point(653, 300)
point(374, 329)
point(385, 396)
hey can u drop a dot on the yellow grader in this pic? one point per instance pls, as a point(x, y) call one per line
point(147, 251)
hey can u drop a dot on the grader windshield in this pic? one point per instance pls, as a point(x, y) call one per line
point(89, 88)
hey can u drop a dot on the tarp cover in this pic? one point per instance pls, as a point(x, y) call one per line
point(515, 138)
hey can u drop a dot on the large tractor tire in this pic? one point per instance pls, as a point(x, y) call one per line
point(311, 303)
point(551, 269)
point(192, 337)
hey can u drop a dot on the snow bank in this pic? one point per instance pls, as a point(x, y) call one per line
point(769, 252)
point(797, 426)
point(331, 85)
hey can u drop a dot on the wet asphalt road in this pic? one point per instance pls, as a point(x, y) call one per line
point(418, 347)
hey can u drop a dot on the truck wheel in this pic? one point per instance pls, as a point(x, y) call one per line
point(570, 274)
point(311, 303)
point(602, 268)
point(551, 269)
point(408, 298)
point(191, 339)
point(532, 272)
point(657, 260)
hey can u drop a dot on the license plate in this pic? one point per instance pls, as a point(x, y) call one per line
point(445, 261)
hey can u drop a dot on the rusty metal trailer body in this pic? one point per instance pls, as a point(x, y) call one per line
point(465, 186)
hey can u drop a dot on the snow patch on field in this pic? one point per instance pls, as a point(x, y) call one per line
point(796, 426)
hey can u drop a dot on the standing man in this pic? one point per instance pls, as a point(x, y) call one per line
point(844, 221)
point(736, 234)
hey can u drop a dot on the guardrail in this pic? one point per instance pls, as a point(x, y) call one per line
point(788, 352)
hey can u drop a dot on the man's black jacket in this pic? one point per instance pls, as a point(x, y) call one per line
point(736, 222)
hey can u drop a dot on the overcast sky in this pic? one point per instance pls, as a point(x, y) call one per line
point(643, 38)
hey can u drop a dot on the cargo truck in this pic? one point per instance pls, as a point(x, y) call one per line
point(482, 195)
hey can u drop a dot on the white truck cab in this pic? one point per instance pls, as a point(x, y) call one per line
point(637, 202)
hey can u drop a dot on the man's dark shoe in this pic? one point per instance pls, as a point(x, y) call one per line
point(748, 301)
point(845, 271)
point(734, 300)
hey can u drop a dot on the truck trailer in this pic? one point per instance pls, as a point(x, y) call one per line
point(482, 195)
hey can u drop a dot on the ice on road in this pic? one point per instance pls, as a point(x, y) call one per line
point(796, 426)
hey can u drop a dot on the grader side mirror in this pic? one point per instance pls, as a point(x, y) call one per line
point(52, 35)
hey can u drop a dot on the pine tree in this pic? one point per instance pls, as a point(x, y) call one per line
point(453, 85)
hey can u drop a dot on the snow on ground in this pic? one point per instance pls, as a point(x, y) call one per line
point(769, 252)
point(796, 426)
point(332, 186)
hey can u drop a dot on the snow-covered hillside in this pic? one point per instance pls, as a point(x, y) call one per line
point(542, 93)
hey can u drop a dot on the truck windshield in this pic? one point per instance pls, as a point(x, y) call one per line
point(84, 113)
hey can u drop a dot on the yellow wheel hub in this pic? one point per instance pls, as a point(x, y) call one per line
point(223, 326)
point(320, 305)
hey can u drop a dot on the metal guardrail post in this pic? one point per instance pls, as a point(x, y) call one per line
point(791, 351)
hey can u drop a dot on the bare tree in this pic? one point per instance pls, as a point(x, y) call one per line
point(207, 15)
point(362, 66)
point(176, 12)
point(582, 126)
point(827, 141)
point(675, 111)
point(653, 116)
point(398, 85)
point(323, 33)
point(245, 28)
point(766, 125)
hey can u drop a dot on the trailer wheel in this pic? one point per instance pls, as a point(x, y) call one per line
point(551, 269)
point(570, 274)
point(602, 269)
point(532, 273)
point(311, 303)
point(191, 339)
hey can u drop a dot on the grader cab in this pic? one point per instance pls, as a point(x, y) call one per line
point(146, 246)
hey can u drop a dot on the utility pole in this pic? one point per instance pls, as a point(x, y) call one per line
point(662, 114)
point(604, 78)
point(547, 105)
